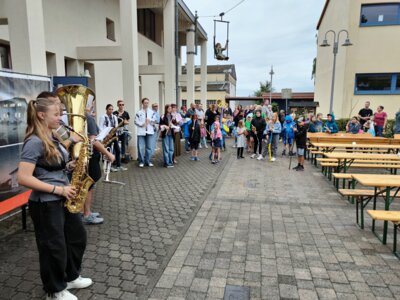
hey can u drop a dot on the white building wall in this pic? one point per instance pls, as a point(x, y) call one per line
point(108, 78)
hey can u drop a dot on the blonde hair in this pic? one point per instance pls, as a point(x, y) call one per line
point(37, 127)
point(275, 117)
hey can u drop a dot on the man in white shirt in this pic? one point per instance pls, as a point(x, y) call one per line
point(110, 120)
point(144, 120)
point(200, 113)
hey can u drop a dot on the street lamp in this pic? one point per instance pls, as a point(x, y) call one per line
point(336, 38)
point(270, 86)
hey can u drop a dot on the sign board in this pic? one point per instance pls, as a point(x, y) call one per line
point(286, 93)
point(16, 90)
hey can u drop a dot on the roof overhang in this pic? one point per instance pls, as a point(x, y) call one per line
point(323, 13)
point(191, 18)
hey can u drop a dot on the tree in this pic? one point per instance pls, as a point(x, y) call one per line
point(265, 87)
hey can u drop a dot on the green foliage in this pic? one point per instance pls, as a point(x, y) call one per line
point(389, 130)
point(265, 87)
point(341, 123)
point(275, 107)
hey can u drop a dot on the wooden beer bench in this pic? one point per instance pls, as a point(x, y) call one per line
point(12, 204)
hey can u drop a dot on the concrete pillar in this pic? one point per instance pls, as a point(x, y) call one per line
point(203, 71)
point(169, 52)
point(27, 40)
point(130, 65)
point(190, 53)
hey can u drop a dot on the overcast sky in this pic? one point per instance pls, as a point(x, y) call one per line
point(264, 33)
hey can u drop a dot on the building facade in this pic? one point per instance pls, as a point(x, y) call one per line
point(221, 83)
point(132, 49)
point(367, 70)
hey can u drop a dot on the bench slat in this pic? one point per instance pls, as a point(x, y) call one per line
point(385, 215)
point(363, 193)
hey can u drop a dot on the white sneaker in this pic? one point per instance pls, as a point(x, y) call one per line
point(79, 283)
point(260, 157)
point(141, 165)
point(253, 156)
point(151, 165)
point(273, 159)
point(206, 146)
point(200, 147)
point(63, 295)
point(122, 168)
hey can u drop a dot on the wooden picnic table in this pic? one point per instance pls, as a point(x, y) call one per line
point(382, 184)
point(345, 159)
point(329, 147)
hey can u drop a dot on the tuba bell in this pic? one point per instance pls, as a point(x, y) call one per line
point(75, 99)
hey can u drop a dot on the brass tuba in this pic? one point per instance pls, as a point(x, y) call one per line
point(75, 98)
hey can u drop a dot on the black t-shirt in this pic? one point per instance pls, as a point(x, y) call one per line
point(365, 112)
point(125, 115)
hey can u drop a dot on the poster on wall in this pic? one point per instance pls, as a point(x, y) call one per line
point(16, 90)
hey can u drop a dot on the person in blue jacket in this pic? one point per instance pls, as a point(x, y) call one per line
point(288, 134)
point(330, 125)
point(185, 130)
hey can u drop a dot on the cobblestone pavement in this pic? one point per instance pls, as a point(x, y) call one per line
point(125, 256)
point(188, 232)
point(284, 234)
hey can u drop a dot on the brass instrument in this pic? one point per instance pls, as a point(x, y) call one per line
point(110, 137)
point(75, 98)
point(253, 129)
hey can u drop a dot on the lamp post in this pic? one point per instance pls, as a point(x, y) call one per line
point(336, 38)
point(270, 86)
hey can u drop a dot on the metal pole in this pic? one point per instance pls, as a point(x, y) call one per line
point(270, 87)
point(335, 51)
point(177, 54)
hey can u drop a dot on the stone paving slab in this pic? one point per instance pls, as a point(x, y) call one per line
point(285, 235)
point(144, 222)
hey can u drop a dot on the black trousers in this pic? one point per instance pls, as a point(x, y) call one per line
point(61, 241)
point(258, 142)
point(117, 153)
point(240, 152)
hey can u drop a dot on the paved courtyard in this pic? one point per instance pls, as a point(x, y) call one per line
point(188, 232)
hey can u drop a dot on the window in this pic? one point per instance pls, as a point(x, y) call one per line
point(209, 102)
point(110, 29)
point(383, 84)
point(197, 101)
point(380, 14)
point(184, 102)
point(147, 23)
point(5, 57)
point(149, 58)
point(398, 82)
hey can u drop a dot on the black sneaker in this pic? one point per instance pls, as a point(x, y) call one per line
point(300, 168)
point(295, 168)
point(284, 153)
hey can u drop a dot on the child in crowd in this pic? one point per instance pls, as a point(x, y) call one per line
point(353, 126)
point(288, 135)
point(249, 138)
point(216, 138)
point(301, 142)
point(240, 139)
point(370, 126)
point(330, 125)
point(194, 137)
point(275, 131)
point(185, 130)
point(266, 136)
point(203, 136)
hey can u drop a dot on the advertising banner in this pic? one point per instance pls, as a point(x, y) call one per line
point(16, 90)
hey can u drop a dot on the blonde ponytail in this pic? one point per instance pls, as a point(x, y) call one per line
point(36, 127)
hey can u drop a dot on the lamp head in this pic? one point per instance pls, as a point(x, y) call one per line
point(324, 43)
point(347, 43)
